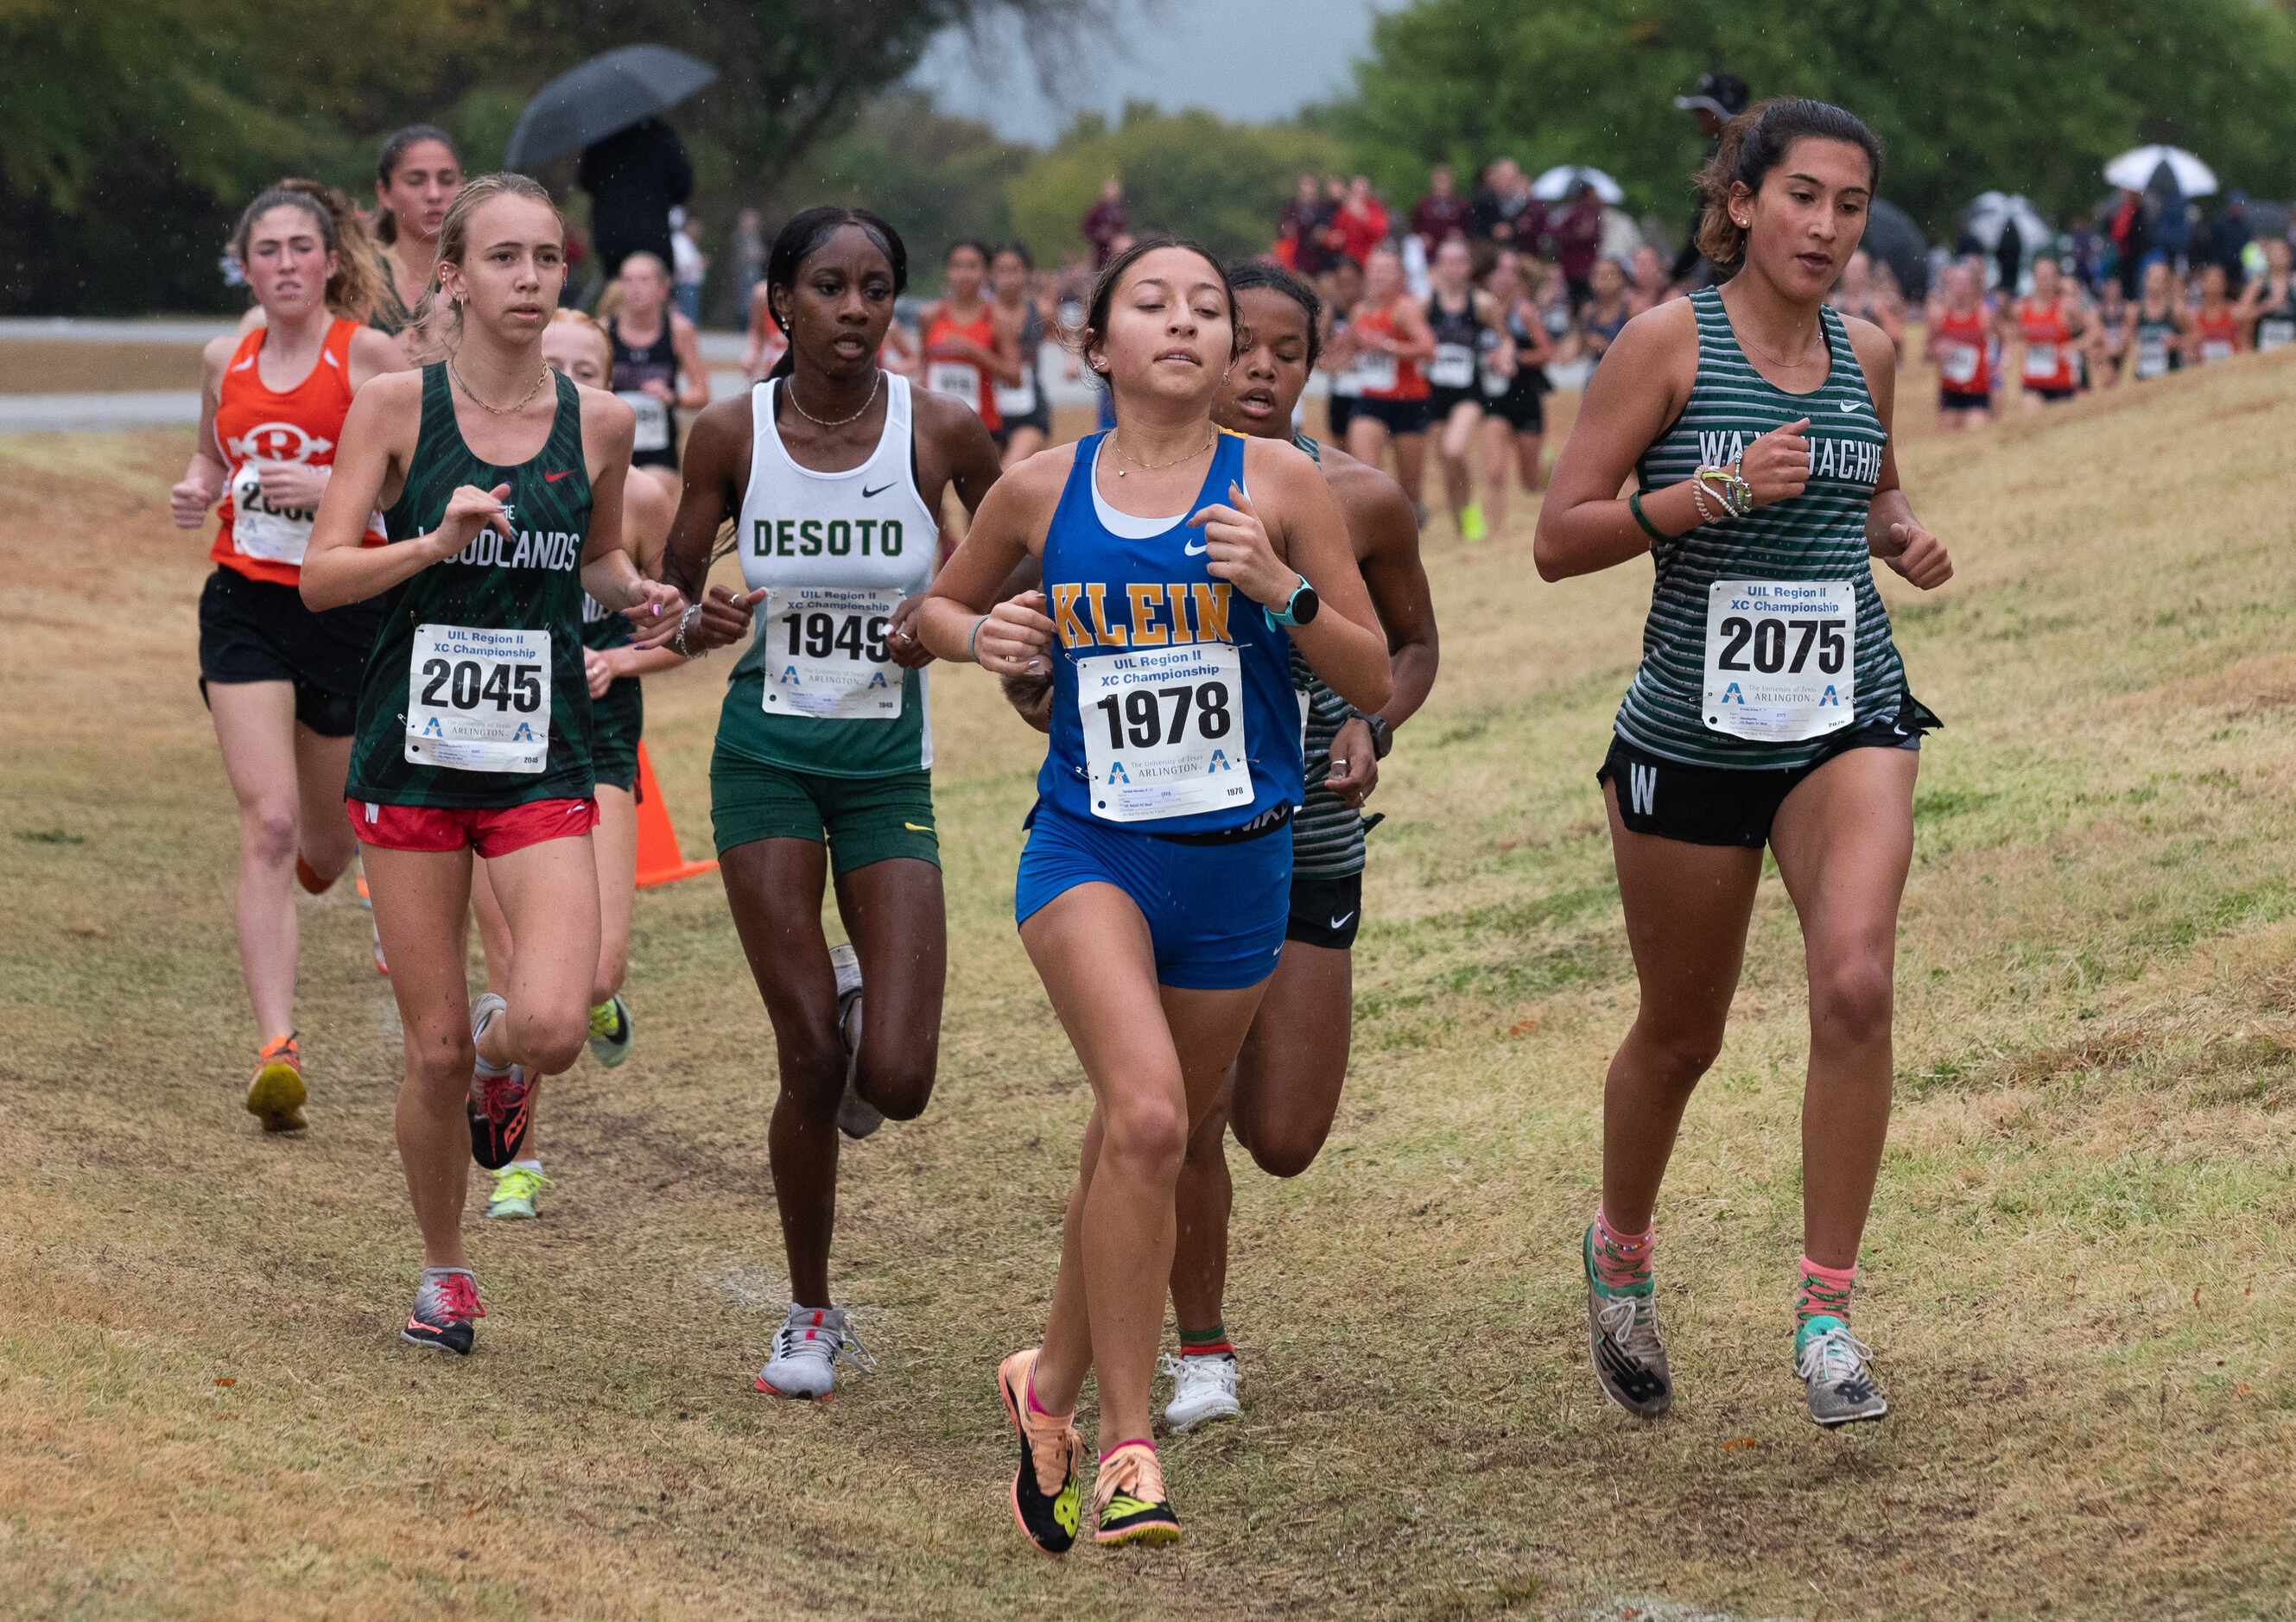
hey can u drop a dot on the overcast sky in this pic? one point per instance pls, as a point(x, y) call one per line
point(1241, 58)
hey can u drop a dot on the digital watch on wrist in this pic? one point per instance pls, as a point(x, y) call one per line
point(1382, 736)
point(1301, 607)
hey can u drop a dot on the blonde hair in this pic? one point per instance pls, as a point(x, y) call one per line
point(355, 288)
point(430, 335)
point(579, 318)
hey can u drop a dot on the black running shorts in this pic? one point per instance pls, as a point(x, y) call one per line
point(259, 631)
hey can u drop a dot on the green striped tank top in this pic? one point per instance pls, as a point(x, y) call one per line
point(474, 695)
point(1327, 834)
point(1816, 537)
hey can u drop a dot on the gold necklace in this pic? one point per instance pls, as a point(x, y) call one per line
point(1154, 467)
point(789, 387)
point(499, 411)
point(1772, 359)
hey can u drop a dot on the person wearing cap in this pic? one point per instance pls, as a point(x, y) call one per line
point(1714, 101)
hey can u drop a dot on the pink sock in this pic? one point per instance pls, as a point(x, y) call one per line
point(1137, 1441)
point(1622, 1261)
point(1031, 1391)
point(1822, 1292)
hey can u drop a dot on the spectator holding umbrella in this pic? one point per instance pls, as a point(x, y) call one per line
point(1105, 221)
point(1441, 215)
point(1503, 211)
point(635, 177)
point(2130, 233)
point(1577, 236)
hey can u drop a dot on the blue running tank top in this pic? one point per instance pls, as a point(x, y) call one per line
point(1173, 710)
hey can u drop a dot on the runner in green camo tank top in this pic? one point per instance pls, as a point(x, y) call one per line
point(501, 485)
point(1770, 709)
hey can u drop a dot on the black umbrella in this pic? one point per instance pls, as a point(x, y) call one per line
point(1892, 237)
point(585, 104)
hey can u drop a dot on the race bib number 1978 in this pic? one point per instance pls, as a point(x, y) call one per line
point(1781, 659)
point(478, 699)
point(1163, 731)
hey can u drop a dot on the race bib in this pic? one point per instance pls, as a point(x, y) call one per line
point(1781, 659)
point(2215, 348)
point(826, 658)
point(2040, 360)
point(955, 379)
point(1021, 399)
point(1957, 363)
point(653, 421)
point(1375, 372)
point(1163, 731)
point(2152, 356)
point(1496, 383)
point(1454, 366)
point(478, 699)
point(277, 534)
point(2274, 332)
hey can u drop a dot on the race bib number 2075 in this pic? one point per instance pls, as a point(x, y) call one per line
point(1781, 659)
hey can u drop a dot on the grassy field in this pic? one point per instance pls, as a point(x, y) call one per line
point(2078, 1271)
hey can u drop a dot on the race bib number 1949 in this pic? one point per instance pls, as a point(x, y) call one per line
point(1781, 659)
point(1163, 731)
point(825, 653)
point(478, 699)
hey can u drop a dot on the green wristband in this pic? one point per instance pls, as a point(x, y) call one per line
point(1635, 506)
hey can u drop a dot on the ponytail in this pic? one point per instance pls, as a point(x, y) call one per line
point(355, 288)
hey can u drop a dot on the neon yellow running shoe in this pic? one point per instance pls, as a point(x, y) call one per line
point(1471, 527)
point(515, 1187)
point(610, 1031)
point(275, 1095)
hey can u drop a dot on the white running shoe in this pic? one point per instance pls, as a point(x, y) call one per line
point(856, 1116)
point(806, 1349)
point(1203, 1389)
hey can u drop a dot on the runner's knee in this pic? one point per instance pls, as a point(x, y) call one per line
point(439, 1060)
point(1676, 1054)
point(547, 1041)
point(812, 1068)
point(1851, 997)
point(267, 831)
point(1145, 1135)
point(898, 1089)
point(1288, 1147)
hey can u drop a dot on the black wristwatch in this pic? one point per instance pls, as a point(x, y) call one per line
point(1382, 735)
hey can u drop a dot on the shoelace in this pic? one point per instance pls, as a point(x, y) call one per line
point(499, 1095)
point(604, 1021)
point(1833, 1357)
point(517, 1182)
point(279, 1046)
point(458, 1298)
point(1135, 1471)
point(1631, 1322)
point(1190, 1371)
point(832, 1346)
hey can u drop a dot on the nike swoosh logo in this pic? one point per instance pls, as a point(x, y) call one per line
point(1851, 406)
point(1342, 921)
point(555, 478)
point(917, 827)
point(867, 491)
point(1196, 549)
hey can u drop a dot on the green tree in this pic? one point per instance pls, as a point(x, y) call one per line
point(1187, 172)
point(2026, 96)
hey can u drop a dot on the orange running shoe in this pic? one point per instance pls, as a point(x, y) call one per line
point(276, 1096)
point(1129, 1499)
point(1044, 1499)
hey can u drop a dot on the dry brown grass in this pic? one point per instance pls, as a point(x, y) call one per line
point(46, 366)
point(2077, 1268)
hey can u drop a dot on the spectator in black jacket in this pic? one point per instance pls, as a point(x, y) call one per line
point(1714, 101)
point(635, 177)
point(2228, 237)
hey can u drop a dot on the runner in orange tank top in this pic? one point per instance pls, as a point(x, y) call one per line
point(1958, 338)
point(965, 356)
point(1392, 342)
point(280, 680)
point(2216, 323)
point(2047, 325)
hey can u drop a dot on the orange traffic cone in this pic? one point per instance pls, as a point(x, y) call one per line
point(660, 860)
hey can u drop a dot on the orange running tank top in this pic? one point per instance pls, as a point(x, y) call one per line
point(2217, 334)
point(1385, 376)
point(253, 425)
point(1964, 364)
point(2049, 345)
point(962, 380)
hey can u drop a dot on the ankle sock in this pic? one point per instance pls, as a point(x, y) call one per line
point(1211, 1342)
point(1622, 1260)
point(1821, 1298)
point(1107, 1454)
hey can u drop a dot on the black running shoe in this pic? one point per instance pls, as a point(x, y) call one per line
point(445, 1305)
point(499, 1107)
point(1044, 1498)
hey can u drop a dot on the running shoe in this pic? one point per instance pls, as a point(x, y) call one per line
point(1203, 1389)
point(856, 1116)
point(308, 876)
point(1622, 1334)
point(1835, 1375)
point(1471, 527)
point(515, 1187)
point(1044, 1498)
point(1129, 1500)
point(500, 1106)
point(446, 1307)
point(381, 963)
point(610, 1031)
point(276, 1096)
point(806, 1349)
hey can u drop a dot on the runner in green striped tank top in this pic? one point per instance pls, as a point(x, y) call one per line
point(1284, 1091)
point(500, 482)
point(1770, 708)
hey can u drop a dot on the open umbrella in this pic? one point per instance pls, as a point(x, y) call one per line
point(2135, 168)
point(585, 104)
point(1564, 180)
point(1893, 238)
point(1995, 213)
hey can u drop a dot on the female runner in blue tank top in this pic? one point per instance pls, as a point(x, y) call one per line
point(1762, 528)
point(1180, 565)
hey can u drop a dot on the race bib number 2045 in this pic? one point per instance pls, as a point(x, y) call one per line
point(478, 699)
point(1781, 659)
